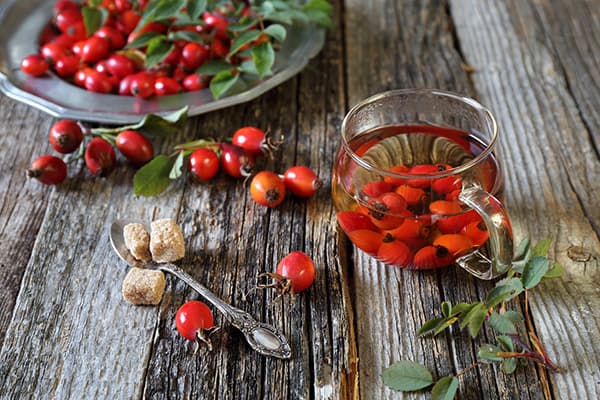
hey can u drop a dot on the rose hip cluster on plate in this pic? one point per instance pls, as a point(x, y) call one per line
point(414, 223)
point(146, 48)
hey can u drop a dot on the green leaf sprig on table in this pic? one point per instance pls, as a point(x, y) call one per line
point(254, 32)
point(529, 267)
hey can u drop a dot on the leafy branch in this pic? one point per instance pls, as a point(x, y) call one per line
point(530, 267)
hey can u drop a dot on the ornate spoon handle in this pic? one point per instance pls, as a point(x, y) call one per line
point(262, 337)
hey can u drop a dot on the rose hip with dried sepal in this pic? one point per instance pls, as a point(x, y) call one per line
point(235, 161)
point(301, 181)
point(255, 141)
point(192, 320)
point(394, 252)
point(294, 274)
point(267, 189)
point(100, 157)
point(34, 65)
point(48, 169)
point(203, 164)
point(387, 210)
point(65, 136)
point(430, 257)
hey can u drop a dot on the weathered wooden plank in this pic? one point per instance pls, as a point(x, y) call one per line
point(546, 118)
point(22, 203)
point(235, 239)
point(411, 45)
point(71, 334)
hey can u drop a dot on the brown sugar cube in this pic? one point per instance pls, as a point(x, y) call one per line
point(143, 286)
point(137, 241)
point(166, 241)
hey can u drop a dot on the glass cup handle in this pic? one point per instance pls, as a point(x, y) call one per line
point(500, 234)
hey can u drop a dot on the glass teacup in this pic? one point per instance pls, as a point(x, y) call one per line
point(417, 183)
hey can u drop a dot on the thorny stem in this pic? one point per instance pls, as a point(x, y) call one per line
point(470, 367)
point(537, 344)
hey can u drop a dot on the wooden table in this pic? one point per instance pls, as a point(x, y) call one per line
point(65, 332)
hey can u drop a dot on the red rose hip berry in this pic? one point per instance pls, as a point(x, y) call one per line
point(298, 269)
point(301, 181)
point(135, 147)
point(48, 169)
point(203, 164)
point(100, 157)
point(65, 136)
point(34, 65)
point(192, 320)
point(267, 189)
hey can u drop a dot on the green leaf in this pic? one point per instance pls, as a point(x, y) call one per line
point(488, 353)
point(195, 8)
point(447, 322)
point(522, 249)
point(248, 67)
point(148, 14)
point(319, 17)
point(93, 18)
point(279, 16)
point(430, 326)
point(158, 49)
point(476, 321)
point(188, 36)
point(321, 5)
point(263, 56)
point(214, 67)
point(502, 324)
point(143, 40)
point(505, 290)
point(506, 343)
point(513, 316)
point(407, 376)
point(243, 25)
point(276, 31)
point(243, 39)
point(153, 178)
point(541, 248)
point(222, 82)
point(446, 308)
point(175, 172)
point(94, 3)
point(462, 308)
point(156, 126)
point(556, 271)
point(445, 388)
point(509, 365)
point(168, 9)
point(534, 271)
point(280, 5)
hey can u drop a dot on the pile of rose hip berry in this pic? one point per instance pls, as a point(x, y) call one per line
point(101, 63)
point(237, 159)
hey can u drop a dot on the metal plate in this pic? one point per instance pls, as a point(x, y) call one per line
point(21, 21)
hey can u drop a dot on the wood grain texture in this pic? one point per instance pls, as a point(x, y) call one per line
point(66, 333)
point(552, 164)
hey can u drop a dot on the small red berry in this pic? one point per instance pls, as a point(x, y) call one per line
point(135, 147)
point(65, 136)
point(142, 85)
point(299, 269)
point(192, 319)
point(301, 181)
point(235, 161)
point(120, 65)
point(97, 82)
point(94, 49)
point(203, 164)
point(66, 66)
point(48, 169)
point(195, 82)
point(194, 55)
point(34, 65)
point(100, 157)
point(267, 189)
point(164, 86)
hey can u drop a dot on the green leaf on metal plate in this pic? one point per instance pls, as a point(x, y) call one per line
point(93, 18)
point(195, 8)
point(276, 31)
point(263, 56)
point(222, 82)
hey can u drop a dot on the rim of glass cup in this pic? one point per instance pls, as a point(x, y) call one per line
point(441, 93)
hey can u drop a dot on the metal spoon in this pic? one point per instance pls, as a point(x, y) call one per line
point(262, 337)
